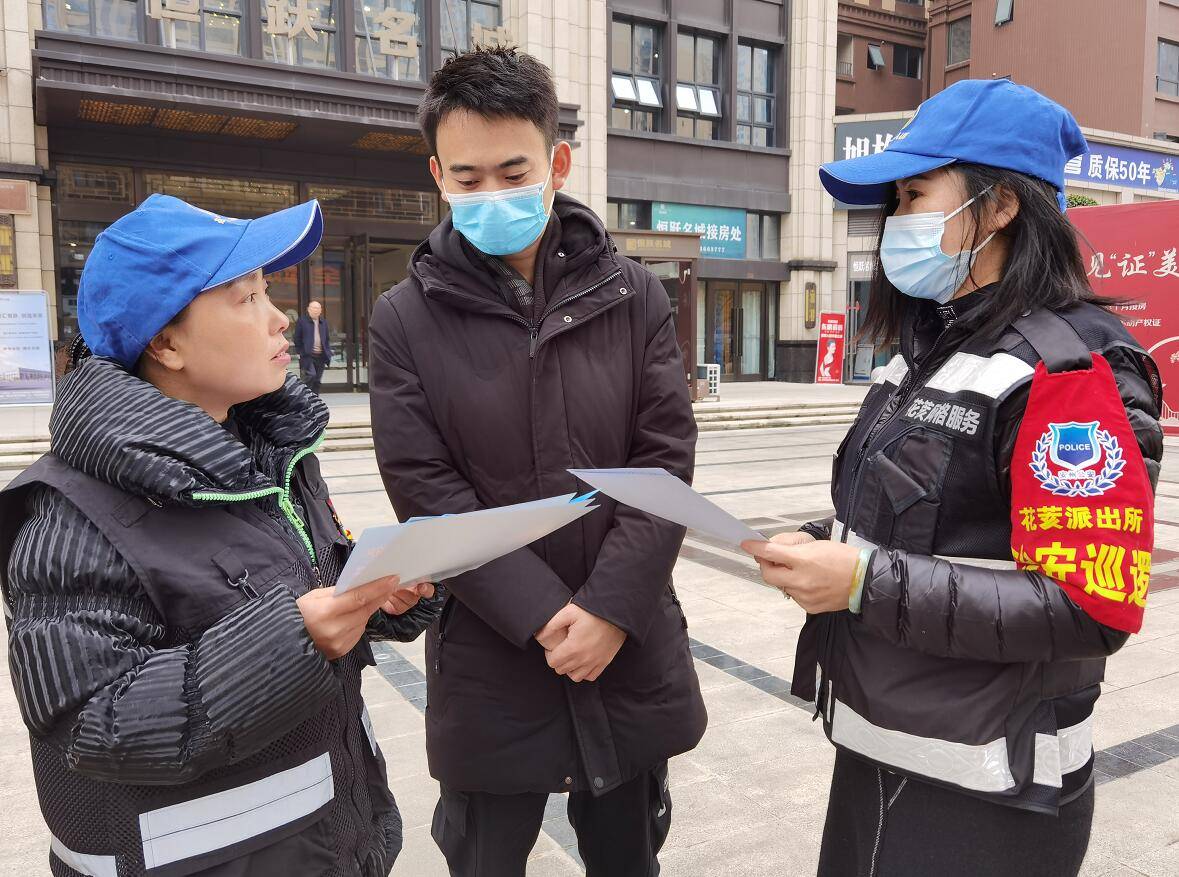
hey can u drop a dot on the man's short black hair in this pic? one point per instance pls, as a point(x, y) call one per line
point(496, 83)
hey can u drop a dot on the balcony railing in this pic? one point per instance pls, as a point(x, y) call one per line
point(844, 68)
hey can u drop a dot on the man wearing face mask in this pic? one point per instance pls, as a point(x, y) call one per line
point(521, 345)
point(994, 509)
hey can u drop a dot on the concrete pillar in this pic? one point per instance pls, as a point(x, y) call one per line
point(808, 229)
point(570, 37)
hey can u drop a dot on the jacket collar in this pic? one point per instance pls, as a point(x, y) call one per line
point(111, 425)
point(581, 255)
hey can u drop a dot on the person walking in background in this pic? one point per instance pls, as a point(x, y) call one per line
point(190, 683)
point(312, 343)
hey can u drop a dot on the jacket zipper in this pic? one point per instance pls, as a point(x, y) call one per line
point(283, 494)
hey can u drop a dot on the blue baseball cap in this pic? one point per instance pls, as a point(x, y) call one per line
point(148, 265)
point(982, 121)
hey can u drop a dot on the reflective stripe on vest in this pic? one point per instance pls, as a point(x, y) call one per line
point(84, 863)
point(981, 767)
point(857, 541)
point(1067, 751)
point(986, 375)
point(892, 373)
point(212, 822)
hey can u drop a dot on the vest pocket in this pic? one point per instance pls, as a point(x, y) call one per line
point(902, 492)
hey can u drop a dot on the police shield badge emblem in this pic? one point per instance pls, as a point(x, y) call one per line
point(1074, 445)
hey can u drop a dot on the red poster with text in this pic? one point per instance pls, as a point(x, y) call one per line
point(829, 357)
point(1131, 251)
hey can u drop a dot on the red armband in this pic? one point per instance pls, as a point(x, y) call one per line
point(1082, 508)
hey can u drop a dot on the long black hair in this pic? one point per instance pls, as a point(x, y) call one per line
point(1044, 267)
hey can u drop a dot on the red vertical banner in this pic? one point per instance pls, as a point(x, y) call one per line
point(1131, 252)
point(829, 356)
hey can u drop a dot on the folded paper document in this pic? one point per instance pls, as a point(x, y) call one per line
point(658, 492)
point(434, 549)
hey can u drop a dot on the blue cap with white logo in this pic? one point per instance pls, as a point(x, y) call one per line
point(146, 267)
point(990, 122)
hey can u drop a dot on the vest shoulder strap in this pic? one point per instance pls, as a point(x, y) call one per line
point(1055, 341)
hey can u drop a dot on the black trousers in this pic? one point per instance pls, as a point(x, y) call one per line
point(880, 824)
point(311, 368)
point(618, 834)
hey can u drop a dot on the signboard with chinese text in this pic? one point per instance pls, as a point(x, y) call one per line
point(829, 354)
point(721, 229)
point(1125, 166)
point(26, 351)
point(857, 139)
point(1131, 251)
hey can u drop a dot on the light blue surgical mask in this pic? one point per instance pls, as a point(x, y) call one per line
point(502, 222)
point(914, 262)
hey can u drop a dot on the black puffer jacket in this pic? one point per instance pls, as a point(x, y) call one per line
point(476, 406)
point(151, 678)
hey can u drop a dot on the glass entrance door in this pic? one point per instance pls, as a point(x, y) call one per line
point(736, 327)
point(751, 332)
point(722, 321)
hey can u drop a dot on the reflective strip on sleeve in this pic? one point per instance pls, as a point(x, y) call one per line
point(1067, 751)
point(987, 375)
point(212, 822)
point(980, 767)
point(892, 373)
point(857, 541)
point(84, 863)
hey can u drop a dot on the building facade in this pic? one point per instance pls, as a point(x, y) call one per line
point(718, 121)
point(1116, 66)
point(248, 106)
point(880, 63)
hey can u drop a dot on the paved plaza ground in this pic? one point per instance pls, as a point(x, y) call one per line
point(750, 799)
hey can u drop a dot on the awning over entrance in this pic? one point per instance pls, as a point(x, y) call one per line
point(86, 82)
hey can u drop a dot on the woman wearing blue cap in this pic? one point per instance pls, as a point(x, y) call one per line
point(993, 527)
point(190, 684)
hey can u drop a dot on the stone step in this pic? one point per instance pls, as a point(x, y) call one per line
point(17, 452)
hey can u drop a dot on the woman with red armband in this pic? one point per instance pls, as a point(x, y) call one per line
point(993, 528)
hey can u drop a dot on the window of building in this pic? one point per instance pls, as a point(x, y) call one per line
point(628, 215)
point(763, 236)
point(906, 61)
point(461, 20)
point(876, 58)
point(303, 35)
point(218, 30)
point(845, 55)
point(756, 112)
point(117, 19)
point(1168, 72)
point(697, 95)
point(1163, 135)
point(914, 2)
point(958, 41)
point(634, 80)
point(389, 38)
point(1004, 11)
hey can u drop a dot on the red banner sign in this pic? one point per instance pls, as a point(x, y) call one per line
point(1131, 251)
point(829, 356)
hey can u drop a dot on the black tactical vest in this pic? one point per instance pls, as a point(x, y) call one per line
point(918, 472)
point(196, 565)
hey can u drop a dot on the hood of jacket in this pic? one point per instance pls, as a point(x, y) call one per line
point(111, 425)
